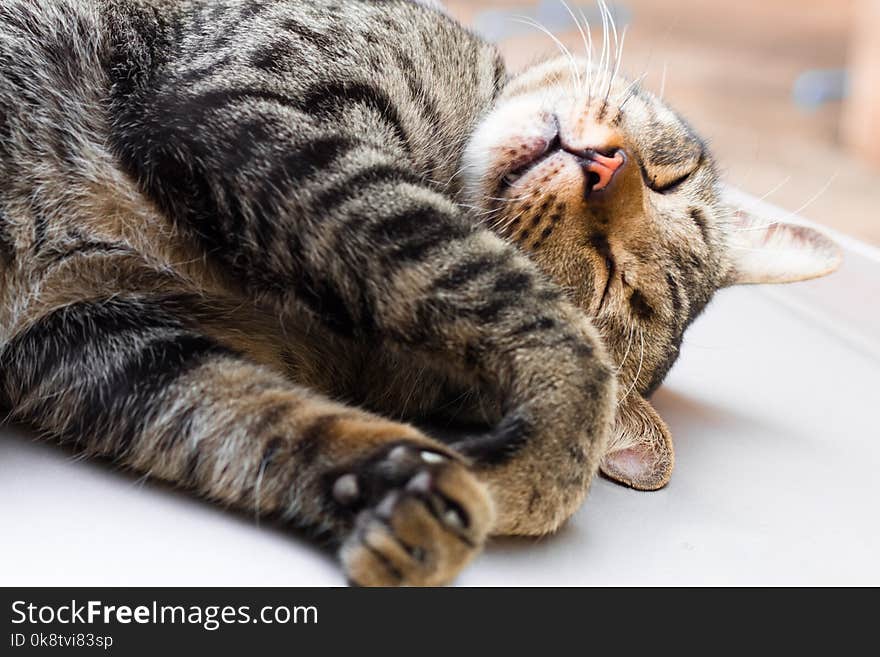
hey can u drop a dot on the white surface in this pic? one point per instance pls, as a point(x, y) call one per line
point(773, 407)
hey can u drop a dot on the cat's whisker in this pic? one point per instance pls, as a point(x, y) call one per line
point(754, 202)
point(632, 332)
point(595, 61)
point(663, 81)
point(510, 219)
point(613, 23)
point(619, 62)
point(579, 26)
point(461, 170)
point(493, 218)
point(612, 43)
point(513, 199)
point(639, 370)
point(793, 213)
point(509, 201)
point(526, 20)
point(484, 213)
point(503, 227)
point(479, 210)
point(589, 55)
point(604, 52)
point(489, 216)
point(611, 73)
point(630, 91)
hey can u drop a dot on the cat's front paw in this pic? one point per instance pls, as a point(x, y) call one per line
point(421, 530)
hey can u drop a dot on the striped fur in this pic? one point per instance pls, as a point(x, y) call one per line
point(215, 221)
point(237, 254)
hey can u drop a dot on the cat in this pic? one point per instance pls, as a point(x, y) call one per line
point(247, 245)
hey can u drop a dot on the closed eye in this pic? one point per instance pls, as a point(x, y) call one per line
point(667, 187)
point(670, 186)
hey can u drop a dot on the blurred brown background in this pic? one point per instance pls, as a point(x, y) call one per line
point(786, 91)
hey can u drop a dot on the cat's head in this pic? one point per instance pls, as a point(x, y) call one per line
point(617, 198)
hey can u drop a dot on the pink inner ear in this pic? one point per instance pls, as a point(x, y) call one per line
point(644, 467)
point(640, 453)
point(631, 463)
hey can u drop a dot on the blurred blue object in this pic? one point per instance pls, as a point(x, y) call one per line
point(816, 87)
point(497, 24)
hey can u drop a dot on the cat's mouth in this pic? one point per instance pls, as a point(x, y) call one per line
point(599, 168)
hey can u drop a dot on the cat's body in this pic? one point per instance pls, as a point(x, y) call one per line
point(227, 227)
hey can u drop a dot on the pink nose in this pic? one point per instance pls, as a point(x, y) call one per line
point(600, 169)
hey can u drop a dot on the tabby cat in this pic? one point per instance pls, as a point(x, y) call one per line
point(247, 246)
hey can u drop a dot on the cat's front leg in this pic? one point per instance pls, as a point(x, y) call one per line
point(556, 392)
point(345, 232)
point(135, 379)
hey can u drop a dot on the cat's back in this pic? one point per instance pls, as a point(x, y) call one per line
point(342, 62)
point(74, 73)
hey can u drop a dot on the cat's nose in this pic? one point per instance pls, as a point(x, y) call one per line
point(600, 167)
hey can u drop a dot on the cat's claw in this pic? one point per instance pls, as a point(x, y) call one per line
point(420, 531)
point(432, 457)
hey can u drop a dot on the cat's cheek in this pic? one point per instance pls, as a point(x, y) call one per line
point(512, 135)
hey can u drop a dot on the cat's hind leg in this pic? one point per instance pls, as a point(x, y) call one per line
point(134, 378)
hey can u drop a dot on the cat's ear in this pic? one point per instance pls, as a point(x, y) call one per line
point(764, 251)
point(640, 453)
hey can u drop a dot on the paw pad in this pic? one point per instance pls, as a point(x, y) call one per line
point(422, 517)
point(346, 490)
